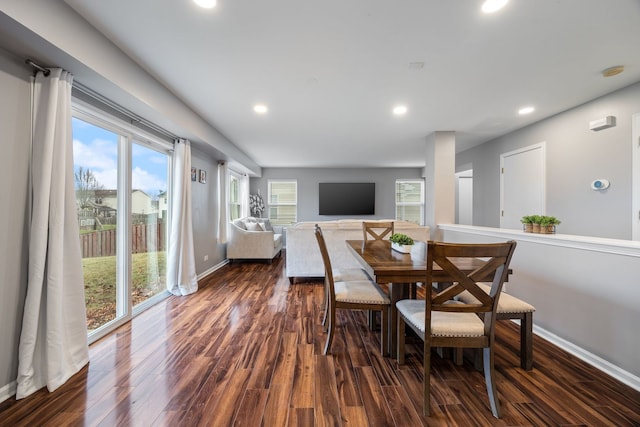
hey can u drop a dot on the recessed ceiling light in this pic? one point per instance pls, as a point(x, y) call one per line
point(526, 110)
point(205, 4)
point(399, 110)
point(490, 6)
point(260, 109)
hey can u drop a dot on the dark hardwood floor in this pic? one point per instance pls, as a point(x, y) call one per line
point(245, 350)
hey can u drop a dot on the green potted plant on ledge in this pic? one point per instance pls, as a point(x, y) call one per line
point(548, 224)
point(536, 221)
point(527, 222)
point(541, 224)
point(401, 243)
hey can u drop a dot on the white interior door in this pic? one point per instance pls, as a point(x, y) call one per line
point(464, 190)
point(522, 185)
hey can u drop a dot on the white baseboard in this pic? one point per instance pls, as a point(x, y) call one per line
point(597, 362)
point(212, 269)
point(8, 390)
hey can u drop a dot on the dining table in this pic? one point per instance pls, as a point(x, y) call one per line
point(398, 270)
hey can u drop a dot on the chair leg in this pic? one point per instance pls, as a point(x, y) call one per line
point(384, 330)
point(413, 291)
point(400, 341)
point(426, 406)
point(526, 342)
point(332, 321)
point(458, 355)
point(325, 306)
point(488, 378)
point(371, 319)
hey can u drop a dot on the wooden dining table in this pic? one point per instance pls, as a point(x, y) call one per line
point(388, 266)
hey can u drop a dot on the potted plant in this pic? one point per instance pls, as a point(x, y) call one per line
point(527, 221)
point(401, 243)
point(548, 224)
point(536, 220)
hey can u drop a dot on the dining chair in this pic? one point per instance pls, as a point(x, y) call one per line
point(510, 307)
point(441, 321)
point(377, 230)
point(352, 295)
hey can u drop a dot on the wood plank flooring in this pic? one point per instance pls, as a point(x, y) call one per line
point(245, 350)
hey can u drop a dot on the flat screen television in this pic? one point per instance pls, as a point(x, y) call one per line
point(347, 198)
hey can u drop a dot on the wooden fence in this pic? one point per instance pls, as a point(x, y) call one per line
point(144, 238)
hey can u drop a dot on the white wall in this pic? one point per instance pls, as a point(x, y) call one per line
point(575, 157)
point(584, 290)
point(14, 178)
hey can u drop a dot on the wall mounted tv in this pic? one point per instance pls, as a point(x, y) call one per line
point(347, 198)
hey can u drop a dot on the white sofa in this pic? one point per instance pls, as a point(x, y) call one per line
point(303, 258)
point(253, 238)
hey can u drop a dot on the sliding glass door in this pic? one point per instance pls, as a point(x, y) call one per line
point(122, 203)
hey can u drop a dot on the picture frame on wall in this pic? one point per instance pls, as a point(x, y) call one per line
point(203, 176)
point(193, 174)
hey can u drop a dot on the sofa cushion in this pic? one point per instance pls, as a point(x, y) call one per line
point(265, 223)
point(253, 226)
point(239, 223)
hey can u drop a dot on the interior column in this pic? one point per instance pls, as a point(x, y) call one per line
point(439, 174)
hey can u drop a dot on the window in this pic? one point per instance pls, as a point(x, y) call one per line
point(121, 180)
point(235, 204)
point(283, 202)
point(410, 200)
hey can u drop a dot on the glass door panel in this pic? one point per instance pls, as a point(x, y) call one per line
point(149, 208)
point(95, 156)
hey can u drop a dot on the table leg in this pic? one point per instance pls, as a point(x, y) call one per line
point(397, 291)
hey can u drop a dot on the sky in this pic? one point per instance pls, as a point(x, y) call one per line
point(95, 148)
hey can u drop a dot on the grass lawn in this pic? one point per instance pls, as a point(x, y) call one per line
point(148, 273)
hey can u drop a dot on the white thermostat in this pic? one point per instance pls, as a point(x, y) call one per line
point(600, 184)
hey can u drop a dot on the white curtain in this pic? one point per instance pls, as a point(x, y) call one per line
point(223, 201)
point(181, 265)
point(244, 196)
point(53, 340)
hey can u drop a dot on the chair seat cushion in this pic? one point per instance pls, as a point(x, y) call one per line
point(506, 303)
point(360, 292)
point(349, 274)
point(443, 324)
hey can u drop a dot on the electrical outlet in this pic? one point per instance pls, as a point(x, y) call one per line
point(206, 257)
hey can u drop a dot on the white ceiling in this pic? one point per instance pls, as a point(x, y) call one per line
point(331, 71)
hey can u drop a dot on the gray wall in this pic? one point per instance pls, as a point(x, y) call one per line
point(204, 205)
point(14, 178)
point(309, 178)
point(575, 157)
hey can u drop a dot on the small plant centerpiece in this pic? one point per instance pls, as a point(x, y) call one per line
point(536, 220)
point(401, 243)
point(548, 224)
point(527, 222)
point(541, 224)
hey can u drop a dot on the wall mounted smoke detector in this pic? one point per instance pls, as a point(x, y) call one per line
point(603, 123)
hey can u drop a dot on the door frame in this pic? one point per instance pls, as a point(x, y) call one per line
point(541, 145)
point(635, 176)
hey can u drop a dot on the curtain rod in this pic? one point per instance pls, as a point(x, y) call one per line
point(38, 67)
point(130, 115)
point(96, 96)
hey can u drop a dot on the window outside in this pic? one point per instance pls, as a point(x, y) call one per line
point(283, 202)
point(410, 201)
